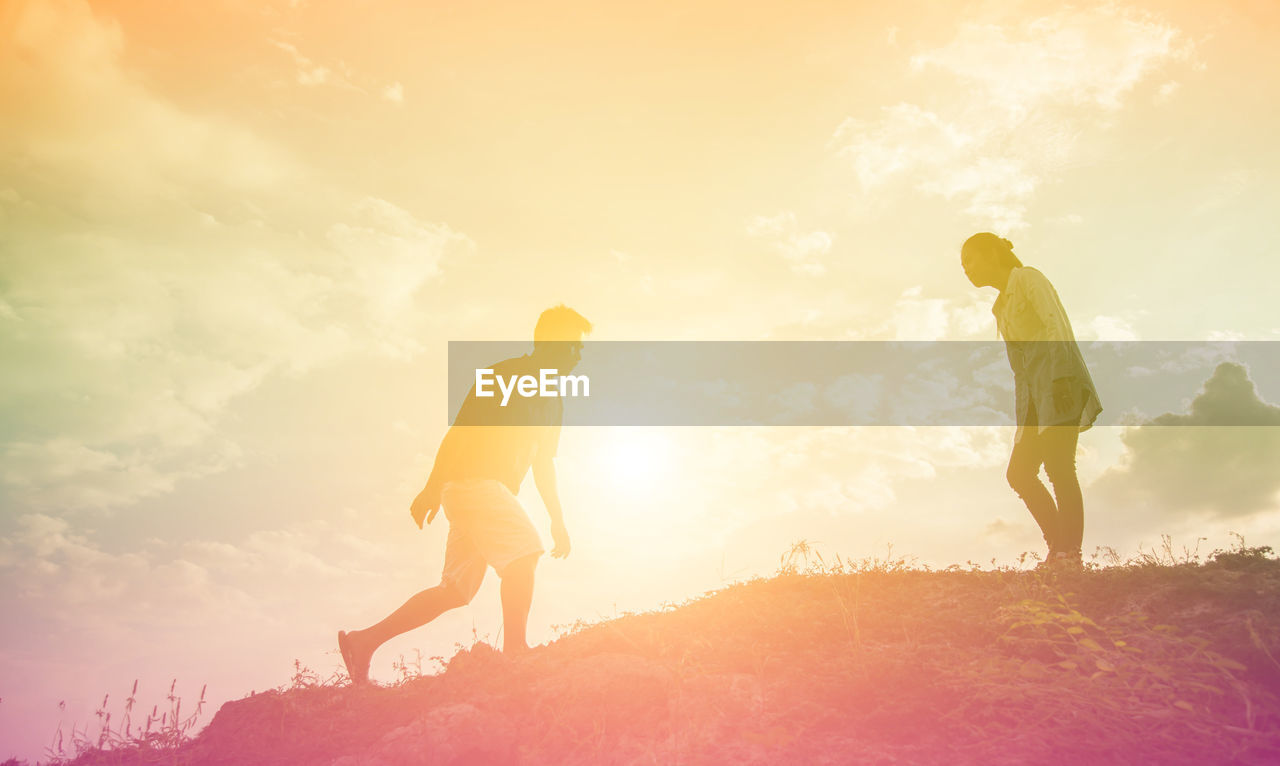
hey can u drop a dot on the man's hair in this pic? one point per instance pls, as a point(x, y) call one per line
point(560, 323)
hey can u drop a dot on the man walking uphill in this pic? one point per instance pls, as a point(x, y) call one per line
point(477, 473)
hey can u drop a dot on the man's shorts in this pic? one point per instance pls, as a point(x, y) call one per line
point(487, 527)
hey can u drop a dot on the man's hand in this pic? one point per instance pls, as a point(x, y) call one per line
point(426, 505)
point(560, 536)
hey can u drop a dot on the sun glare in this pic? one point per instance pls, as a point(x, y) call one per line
point(636, 458)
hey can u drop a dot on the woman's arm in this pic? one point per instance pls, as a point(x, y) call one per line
point(1056, 335)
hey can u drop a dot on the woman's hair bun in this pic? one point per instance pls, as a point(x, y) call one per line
point(992, 245)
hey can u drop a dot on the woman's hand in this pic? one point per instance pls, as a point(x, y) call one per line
point(1064, 396)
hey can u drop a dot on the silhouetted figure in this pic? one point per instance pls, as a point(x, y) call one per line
point(1055, 396)
point(478, 470)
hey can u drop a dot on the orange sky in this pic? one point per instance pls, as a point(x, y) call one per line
point(235, 238)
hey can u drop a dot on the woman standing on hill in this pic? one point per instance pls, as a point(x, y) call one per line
point(1055, 396)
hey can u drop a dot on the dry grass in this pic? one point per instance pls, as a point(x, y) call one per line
point(1170, 657)
point(157, 740)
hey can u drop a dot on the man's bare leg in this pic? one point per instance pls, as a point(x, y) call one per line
point(419, 610)
point(517, 597)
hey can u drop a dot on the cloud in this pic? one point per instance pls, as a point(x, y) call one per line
point(1179, 358)
point(803, 251)
point(1079, 56)
point(64, 473)
point(915, 317)
point(159, 263)
point(908, 315)
point(1165, 94)
point(134, 352)
point(1229, 398)
point(1109, 328)
point(47, 560)
point(905, 137)
point(856, 394)
point(740, 481)
point(387, 256)
point(1226, 189)
point(310, 73)
point(1026, 93)
point(1217, 460)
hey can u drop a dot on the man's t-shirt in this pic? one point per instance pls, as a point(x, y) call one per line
point(496, 442)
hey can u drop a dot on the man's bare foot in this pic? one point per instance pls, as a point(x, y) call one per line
point(354, 657)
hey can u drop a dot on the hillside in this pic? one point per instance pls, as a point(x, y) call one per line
point(875, 664)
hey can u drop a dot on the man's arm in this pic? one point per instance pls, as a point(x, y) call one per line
point(544, 478)
point(427, 504)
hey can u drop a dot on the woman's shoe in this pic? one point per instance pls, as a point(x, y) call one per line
point(1066, 560)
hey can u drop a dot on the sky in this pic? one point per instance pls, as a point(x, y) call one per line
point(236, 237)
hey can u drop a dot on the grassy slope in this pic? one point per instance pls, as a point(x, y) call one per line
point(1168, 664)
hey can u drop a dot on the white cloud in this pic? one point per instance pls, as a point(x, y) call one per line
point(858, 395)
point(60, 62)
point(996, 189)
point(747, 474)
point(1166, 92)
point(166, 263)
point(1109, 329)
point(905, 138)
point(65, 473)
point(1078, 56)
point(1224, 190)
point(771, 226)
point(7, 313)
point(389, 255)
point(795, 401)
point(1226, 335)
point(803, 251)
point(47, 560)
point(918, 318)
point(915, 317)
point(1027, 93)
point(309, 73)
